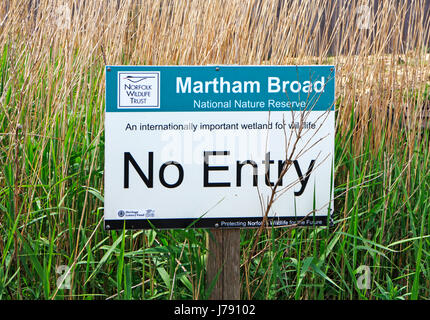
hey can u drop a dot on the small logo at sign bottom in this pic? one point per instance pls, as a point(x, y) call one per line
point(149, 213)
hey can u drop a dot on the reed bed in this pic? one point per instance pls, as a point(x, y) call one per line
point(52, 58)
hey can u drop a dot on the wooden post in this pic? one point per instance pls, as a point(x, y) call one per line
point(224, 259)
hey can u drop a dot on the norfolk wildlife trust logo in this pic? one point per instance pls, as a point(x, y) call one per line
point(138, 90)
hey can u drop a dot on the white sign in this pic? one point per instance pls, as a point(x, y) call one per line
point(208, 147)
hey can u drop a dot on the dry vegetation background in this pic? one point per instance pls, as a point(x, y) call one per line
point(66, 40)
point(52, 57)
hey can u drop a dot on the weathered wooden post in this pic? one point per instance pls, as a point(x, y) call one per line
point(224, 262)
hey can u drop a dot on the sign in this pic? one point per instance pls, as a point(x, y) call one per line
point(215, 146)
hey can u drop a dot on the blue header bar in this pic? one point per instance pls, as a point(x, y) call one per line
point(219, 88)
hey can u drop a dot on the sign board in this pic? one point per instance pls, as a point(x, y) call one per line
point(204, 146)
